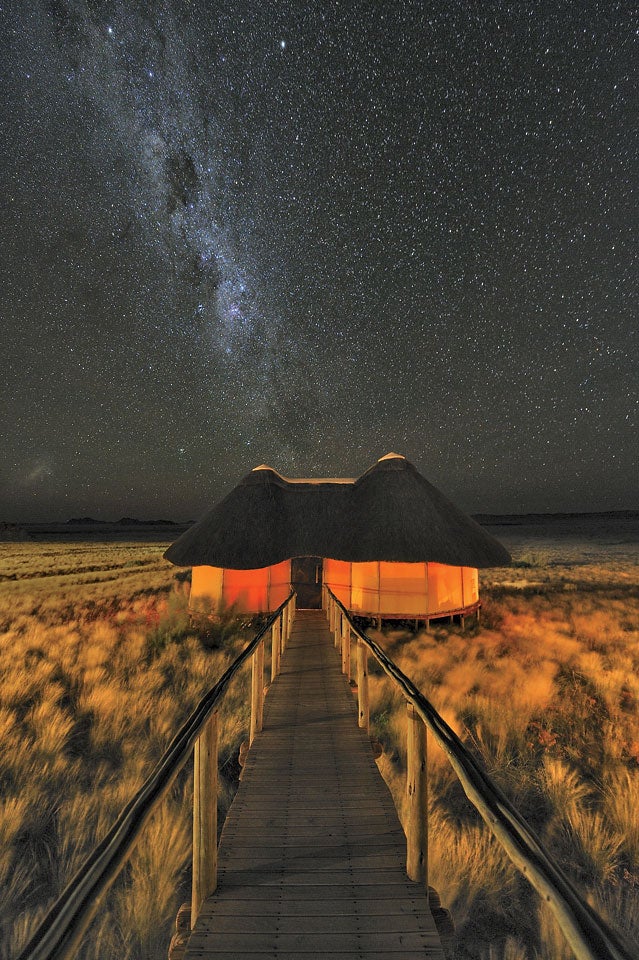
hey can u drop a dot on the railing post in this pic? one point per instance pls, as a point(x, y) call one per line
point(280, 640)
point(363, 709)
point(275, 648)
point(346, 647)
point(417, 798)
point(204, 816)
point(290, 613)
point(257, 691)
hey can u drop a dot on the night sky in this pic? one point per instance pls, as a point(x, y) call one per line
point(310, 233)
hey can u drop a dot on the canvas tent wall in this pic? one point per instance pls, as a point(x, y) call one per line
point(248, 591)
point(400, 590)
point(396, 536)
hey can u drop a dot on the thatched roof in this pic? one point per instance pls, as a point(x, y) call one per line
point(391, 512)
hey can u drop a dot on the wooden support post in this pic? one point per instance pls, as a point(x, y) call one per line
point(275, 649)
point(257, 691)
point(346, 647)
point(337, 628)
point(290, 613)
point(363, 709)
point(417, 797)
point(204, 816)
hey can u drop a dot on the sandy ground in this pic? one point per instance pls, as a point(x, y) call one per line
point(579, 540)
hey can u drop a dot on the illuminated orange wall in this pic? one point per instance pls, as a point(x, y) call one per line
point(250, 591)
point(381, 588)
point(376, 588)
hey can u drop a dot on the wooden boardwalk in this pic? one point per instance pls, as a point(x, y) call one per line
point(312, 854)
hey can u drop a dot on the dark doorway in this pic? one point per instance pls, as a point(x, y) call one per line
point(306, 580)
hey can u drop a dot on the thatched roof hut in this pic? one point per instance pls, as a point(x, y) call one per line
point(390, 513)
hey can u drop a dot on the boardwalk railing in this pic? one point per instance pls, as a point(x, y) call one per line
point(588, 935)
point(59, 934)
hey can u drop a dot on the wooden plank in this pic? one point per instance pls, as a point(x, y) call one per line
point(344, 892)
point(311, 858)
point(304, 942)
point(418, 954)
point(397, 912)
point(344, 922)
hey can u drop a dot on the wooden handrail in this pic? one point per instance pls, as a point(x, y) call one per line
point(60, 932)
point(589, 936)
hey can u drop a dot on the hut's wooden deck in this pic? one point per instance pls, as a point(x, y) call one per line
point(311, 859)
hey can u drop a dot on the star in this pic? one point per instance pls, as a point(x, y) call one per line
point(205, 244)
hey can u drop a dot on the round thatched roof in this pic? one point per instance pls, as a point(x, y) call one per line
point(391, 512)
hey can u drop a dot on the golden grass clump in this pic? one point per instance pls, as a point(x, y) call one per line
point(99, 665)
point(621, 807)
point(545, 692)
point(150, 898)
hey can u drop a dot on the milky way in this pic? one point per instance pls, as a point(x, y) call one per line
point(307, 234)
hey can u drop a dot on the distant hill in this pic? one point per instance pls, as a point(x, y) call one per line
point(88, 529)
point(132, 522)
point(122, 522)
point(519, 519)
point(13, 533)
point(161, 531)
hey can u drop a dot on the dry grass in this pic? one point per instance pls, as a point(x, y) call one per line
point(546, 693)
point(98, 667)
